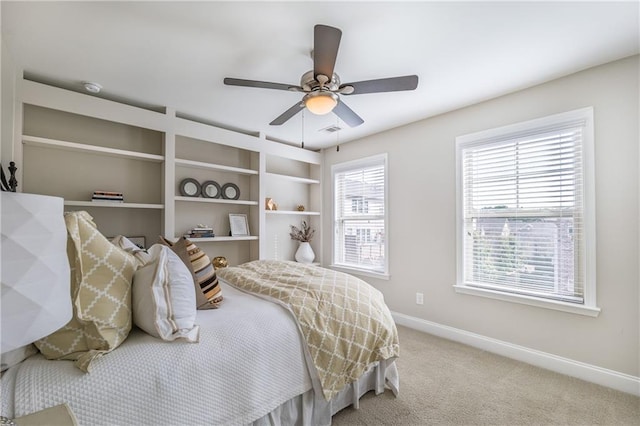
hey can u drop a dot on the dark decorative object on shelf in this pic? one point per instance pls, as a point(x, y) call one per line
point(190, 187)
point(211, 189)
point(13, 182)
point(304, 234)
point(230, 191)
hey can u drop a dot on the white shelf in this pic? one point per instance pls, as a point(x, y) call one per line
point(293, 178)
point(216, 200)
point(293, 212)
point(112, 205)
point(221, 239)
point(210, 166)
point(79, 147)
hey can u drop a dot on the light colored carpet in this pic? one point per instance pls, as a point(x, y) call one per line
point(447, 383)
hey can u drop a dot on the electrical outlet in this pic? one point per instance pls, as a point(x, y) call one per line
point(419, 299)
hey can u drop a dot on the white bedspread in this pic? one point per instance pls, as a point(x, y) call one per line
point(247, 344)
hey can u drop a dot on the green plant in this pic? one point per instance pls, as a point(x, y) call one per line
point(303, 235)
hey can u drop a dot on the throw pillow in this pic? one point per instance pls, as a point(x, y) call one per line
point(208, 291)
point(101, 276)
point(164, 298)
point(142, 256)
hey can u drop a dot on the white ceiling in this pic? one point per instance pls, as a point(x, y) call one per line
point(176, 54)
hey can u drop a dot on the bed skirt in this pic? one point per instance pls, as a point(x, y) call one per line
point(306, 410)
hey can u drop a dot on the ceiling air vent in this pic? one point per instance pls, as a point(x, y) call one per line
point(331, 129)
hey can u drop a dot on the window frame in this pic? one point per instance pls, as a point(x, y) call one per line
point(351, 166)
point(588, 256)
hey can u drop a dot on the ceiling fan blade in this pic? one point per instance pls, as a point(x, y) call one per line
point(392, 84)
point(260, 84)
point(282, 118)
point(325, 49)
point(347, 115)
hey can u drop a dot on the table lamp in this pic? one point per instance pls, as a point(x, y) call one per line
point(34, 269)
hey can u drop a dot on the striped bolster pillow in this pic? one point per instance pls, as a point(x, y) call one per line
point(208, 291)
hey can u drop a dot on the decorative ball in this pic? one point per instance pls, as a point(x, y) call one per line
point(300, 208)
point(219, 262)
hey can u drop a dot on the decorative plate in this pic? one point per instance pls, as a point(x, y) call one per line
point(190, 187)
point(230, 191)
point(211, 189)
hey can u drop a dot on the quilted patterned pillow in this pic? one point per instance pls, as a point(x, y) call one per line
point(208, 291)
point(101, 276)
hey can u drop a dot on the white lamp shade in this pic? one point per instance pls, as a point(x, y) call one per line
point(36, 299)
point(320, 103)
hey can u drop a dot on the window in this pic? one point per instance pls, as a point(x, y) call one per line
point(526, 213)
point(360, 215)
point(359, 205)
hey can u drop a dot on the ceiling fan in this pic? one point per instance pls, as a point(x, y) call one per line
point(322, 86)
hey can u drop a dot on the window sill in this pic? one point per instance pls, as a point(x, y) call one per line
point(361, 272)
point(590, 311)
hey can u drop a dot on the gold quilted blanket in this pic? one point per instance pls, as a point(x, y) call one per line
point(344, 320)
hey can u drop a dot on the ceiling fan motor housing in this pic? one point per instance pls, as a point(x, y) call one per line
point(309, 83)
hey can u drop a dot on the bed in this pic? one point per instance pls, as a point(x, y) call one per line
point(252, 364)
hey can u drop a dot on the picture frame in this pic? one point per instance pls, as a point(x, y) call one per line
point(239, 225)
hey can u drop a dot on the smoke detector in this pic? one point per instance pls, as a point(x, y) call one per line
point(92, 87)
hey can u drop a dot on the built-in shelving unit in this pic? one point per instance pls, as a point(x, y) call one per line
point(290, 184)
point(207, 160)
point(71, 155)
point(73, 144)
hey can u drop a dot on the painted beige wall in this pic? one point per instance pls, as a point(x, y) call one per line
point(423, 208)
point(7, 95)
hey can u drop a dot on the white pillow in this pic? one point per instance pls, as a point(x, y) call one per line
point(163, 297)
point(141, 255)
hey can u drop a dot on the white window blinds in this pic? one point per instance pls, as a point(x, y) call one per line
point(523, 209)
point(360, 215)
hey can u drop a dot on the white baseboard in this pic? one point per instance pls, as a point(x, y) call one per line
point(591, 373)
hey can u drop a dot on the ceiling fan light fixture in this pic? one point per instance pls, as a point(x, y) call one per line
point(320, 103)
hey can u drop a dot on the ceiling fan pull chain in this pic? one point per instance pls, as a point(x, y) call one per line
point(302, 137)
point(337, 136)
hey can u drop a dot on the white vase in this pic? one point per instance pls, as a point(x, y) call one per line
point(305, 253)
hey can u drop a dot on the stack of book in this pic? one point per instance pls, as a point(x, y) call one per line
point(107, 196)
point(200, 231)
